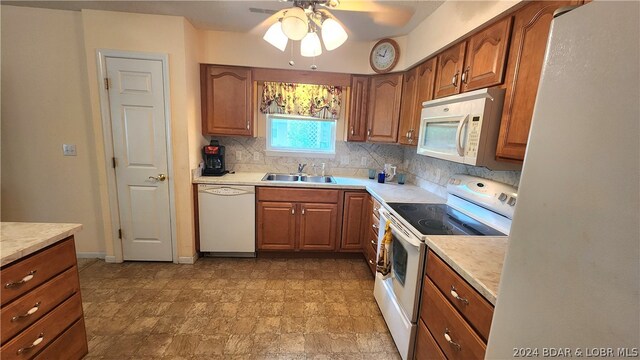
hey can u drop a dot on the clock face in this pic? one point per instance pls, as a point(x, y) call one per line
point(384, 56)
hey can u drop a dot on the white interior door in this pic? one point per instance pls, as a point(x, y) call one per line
point(138, 121)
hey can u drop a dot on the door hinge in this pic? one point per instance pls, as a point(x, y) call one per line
point(107, 84)
point(113, 162)
point(119, 233)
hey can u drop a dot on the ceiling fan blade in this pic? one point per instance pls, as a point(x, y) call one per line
point(382, 14)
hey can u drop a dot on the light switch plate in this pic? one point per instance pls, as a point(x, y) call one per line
point(69, 149)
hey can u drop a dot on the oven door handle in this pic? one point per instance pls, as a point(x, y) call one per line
point(400, 233)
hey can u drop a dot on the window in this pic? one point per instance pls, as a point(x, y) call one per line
point(300, 136)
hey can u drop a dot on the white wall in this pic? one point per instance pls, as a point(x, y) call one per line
point(45, 104)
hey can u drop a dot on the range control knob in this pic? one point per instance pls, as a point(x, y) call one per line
point(512, 201)
point(502, 197)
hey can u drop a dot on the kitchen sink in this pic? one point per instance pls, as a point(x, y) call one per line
point(318, 179)
point(280, 177)
point(301, 178)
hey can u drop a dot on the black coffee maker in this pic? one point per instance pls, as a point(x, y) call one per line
point(213, 156)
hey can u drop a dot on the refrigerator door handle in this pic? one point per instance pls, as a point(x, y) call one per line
point(460, 147)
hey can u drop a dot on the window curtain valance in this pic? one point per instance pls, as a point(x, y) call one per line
point(319, 101)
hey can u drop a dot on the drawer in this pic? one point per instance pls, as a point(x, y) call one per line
point(473, 307)
point(426, 346)
point(71, 345)
point(297, 195)
point(47, 329)
point(441, 318)
point(15, 316)
point(372, 241)
point(376, 209)
point(26, 274)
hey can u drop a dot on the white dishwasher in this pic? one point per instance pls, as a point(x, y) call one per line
point(227, 217)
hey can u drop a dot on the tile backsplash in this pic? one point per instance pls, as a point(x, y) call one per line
point(354, 159)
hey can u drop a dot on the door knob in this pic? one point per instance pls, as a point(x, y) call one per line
point(160, 177)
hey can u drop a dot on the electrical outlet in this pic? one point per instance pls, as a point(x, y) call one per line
point(238, 155)
point(256, 156)
point(69, 149)
point(364, 161)
point(344, 159)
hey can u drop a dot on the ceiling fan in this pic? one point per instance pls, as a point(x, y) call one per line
point(306, 18)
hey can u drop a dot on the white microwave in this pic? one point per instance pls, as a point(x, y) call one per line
point(464, 128)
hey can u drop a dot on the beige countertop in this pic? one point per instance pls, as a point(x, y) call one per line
point(478, 259)
point(387, 192)
point(19, 239)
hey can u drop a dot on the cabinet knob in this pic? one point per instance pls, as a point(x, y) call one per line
point(352, 131)
point(25, 279)
point(465, 75)
point(454, 293)
point(447, 337)
point(35, 343)
point(454, 79)
point(368, 133)
point(293, 211)
point(28, 313)
point(247, 124)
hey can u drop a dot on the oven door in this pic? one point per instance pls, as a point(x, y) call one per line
point(443, 134)
point(407, 256)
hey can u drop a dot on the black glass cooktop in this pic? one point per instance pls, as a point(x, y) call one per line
point(441, 219)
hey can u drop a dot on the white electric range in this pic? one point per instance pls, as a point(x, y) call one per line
point(474, 207)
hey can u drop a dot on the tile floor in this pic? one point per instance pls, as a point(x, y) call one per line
point(234, 309)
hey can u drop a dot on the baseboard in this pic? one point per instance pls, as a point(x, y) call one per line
point(188, 259)
point(90, 255)
point(110, 259)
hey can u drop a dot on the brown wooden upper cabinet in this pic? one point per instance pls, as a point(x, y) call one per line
point(475, 63)
point(529, 40)
point(484, 62)
point(449, 70)
point(226, 100)
point(358, 109)
point(385, 94)
point(417, 88)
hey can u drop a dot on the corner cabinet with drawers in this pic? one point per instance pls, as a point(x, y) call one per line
point(41, 314)
point(370, 244)
point(454, 318)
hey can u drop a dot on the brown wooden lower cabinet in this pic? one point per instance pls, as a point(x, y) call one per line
point(42, 317)
point(354, 220)
point(297, 219)
point(454, 318)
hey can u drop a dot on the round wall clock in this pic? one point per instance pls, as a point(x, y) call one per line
point(384, 56)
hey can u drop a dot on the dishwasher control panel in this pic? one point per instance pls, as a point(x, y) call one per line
point(224, 190)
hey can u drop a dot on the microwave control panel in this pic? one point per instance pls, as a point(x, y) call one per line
point(473, 135)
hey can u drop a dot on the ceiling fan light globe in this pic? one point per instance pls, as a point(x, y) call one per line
point(333, 34)
point(310, 45)
point(276, 37)
point(295, 24)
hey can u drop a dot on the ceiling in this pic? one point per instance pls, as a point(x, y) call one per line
point(369, 22)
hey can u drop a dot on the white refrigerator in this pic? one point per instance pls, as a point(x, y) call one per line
point(571, 278)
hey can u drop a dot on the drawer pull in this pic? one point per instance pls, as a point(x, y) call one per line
point(454, 293)
point(370, 261)
point(375, 227)
point(373, 242)
point(28, 313)
point(451, 342)
point(24, 280)
point(35, 343)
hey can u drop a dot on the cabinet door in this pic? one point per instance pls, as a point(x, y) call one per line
point(407, 107)
point(449, 71)
point(425, 75)
point(531, 27)
point(318, 226)
point(276, 225)
point(226, 100)
point(354, 221)
point(486, 56)
point(385, 93)
point(357, 130)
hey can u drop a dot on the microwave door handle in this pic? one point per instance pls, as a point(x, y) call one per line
point(459, 146)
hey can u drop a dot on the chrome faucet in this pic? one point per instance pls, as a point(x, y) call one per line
point(301, 168)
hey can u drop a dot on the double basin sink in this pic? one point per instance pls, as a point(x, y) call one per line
point(299, 178)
